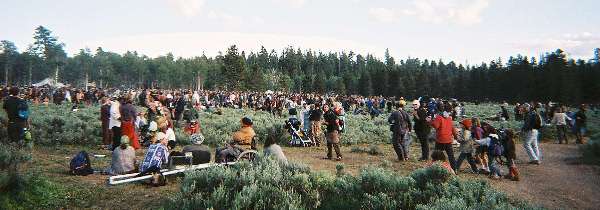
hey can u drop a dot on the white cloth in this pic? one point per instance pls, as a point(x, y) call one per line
point(276, 151)
point(560, 119)
point(170, 134)
point(115, 114)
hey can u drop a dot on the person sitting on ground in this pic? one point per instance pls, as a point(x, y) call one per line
point(156, 154)
point(439, 157)
point(273, 149)
point(123, 159)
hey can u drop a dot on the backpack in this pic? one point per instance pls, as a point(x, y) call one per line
point(23, 110)
point(80, 164)
point(496, 147)
point(537, 122)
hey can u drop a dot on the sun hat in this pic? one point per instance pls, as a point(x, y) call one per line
point(160, 136)
point(153, 126)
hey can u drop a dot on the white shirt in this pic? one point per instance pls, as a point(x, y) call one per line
point(115, 114)
point(170, 134)
point(560, 119)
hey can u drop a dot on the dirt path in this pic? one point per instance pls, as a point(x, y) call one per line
point(560, 182)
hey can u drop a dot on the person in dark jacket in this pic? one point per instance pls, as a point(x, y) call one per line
point(422, 127)
point(105, 118)
point(400, 126)
point(16, 125)
point(332, 133)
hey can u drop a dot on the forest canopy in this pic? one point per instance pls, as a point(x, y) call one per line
point(551, 77)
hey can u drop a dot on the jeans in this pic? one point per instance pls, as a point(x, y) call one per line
point(469, 158)
point(424, 141)
point(15, 131)
point(494, 166)
point(449, 152)
point(561, 134)
point(116, 132)
point(531, 144)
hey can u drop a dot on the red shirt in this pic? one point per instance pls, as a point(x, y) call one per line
point(444, 129)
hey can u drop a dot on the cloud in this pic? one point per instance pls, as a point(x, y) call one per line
point(383, 15)
point(578, 45)
point(463, 12)
point(188, 8)
point(210, 43)
point(293, 3)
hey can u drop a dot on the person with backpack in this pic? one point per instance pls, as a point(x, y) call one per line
point(332, 133)
point(532, 123)
point(445, 134)
point(400, 126)
point(421, 127)
point(17, 112)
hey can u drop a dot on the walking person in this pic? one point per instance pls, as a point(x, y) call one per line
point(421, 127)
point(466, 146)
point(332, 133)
point(114, 122)
point(560, 121)
point(445, 134)
point(532, 122)
point(400, 126)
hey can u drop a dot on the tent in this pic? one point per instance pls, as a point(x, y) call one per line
point(50, 82)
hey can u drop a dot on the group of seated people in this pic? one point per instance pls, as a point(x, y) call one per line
point(161, 148)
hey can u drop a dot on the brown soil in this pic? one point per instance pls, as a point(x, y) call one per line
point(560, 182)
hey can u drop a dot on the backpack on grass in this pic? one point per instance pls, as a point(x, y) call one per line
point(80, 164)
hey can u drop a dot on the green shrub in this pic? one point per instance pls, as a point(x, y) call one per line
point(268, 184)
point(371, 150)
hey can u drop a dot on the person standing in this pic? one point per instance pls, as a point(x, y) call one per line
point(315, 125)
point(580, 124)
point(128, 117)
point(445, 132)
point(14, 107)
point(114, 122)
point(422, 128)
point(400, 126)
point(105, 119)
point(560, 121)
point(532, 122)
point(332, 133)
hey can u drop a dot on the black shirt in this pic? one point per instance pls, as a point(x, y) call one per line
point(580, 119)
point(11, 105)
point(315, 115)
point(331, 118)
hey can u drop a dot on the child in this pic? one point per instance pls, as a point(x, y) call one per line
point(511, 156)
point(492, 142)
point(466, 146)
point(480, 156)
point(439, 157)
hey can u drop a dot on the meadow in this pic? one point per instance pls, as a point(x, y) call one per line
point(368, 173)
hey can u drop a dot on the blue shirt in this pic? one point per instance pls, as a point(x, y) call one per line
point(155, 156)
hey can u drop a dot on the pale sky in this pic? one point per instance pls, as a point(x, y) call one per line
point(461, 30)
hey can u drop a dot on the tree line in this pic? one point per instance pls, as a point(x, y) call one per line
point(551, 77)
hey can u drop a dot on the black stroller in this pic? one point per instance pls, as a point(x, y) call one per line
point(298, 136)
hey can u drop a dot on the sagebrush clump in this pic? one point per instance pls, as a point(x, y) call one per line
point(268, 184)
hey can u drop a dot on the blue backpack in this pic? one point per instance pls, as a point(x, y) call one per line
point(23, 110)
point(80, 164)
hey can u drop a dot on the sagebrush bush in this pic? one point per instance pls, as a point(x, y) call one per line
point(269, 184)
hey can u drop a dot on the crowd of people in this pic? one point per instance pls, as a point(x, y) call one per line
point(125, 130)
